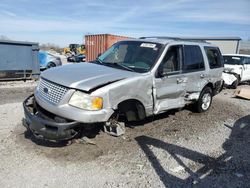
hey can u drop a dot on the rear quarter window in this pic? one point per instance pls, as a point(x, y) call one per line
point(214, 57)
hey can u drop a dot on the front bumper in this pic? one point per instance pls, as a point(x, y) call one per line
point(47, 127)
point(63, 109)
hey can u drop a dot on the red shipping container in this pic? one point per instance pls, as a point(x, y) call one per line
point(97, 44)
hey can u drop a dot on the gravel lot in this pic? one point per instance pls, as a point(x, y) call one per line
point(175, 149)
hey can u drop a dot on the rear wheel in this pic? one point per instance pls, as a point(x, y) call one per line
point(50, 65)
point(205, 100)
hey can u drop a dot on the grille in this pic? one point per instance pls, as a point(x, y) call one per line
point(51, 91)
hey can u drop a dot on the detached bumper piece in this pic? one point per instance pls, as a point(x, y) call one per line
point(45, 125)
point(114, 128)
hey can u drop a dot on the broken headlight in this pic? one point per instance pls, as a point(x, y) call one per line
point(85, 101)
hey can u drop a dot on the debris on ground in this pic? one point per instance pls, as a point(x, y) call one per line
point(243, 93)
point(84, 140)
point(177, 149)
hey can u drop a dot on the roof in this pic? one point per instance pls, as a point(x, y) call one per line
point(239, 55)
point(193, 39)
point(18, 42)
point(212, 38)
point(167, 40)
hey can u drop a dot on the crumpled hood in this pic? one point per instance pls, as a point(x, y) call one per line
point(85, 76)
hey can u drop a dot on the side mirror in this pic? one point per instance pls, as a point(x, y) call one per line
point(161, 73)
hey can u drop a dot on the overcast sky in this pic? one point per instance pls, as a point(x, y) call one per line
point(67, 21)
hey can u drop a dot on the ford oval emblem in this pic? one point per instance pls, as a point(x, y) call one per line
point(46, 90)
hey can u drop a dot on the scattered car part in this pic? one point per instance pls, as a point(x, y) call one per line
point(114, 127)
point(243, 93)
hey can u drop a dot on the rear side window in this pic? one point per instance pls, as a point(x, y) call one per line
point(214, 57)
point(193, 59)
point(247, 60)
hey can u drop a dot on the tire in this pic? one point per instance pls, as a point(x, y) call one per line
point(222, 86)
point(205, 100)
point(50, 65)
point(236, 82)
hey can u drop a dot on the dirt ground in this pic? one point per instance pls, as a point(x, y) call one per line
point(174, 149)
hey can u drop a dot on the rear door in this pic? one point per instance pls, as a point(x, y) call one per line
point(194, 69)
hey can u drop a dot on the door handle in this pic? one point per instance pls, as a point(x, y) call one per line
point(179, 80)
point(202, 76)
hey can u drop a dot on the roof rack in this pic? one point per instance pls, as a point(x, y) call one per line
point(175, 38)
point(160, 37)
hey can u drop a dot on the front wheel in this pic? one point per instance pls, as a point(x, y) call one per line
point(205, 100)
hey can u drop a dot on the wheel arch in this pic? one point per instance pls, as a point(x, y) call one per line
point(133, 109)
point(209, 84)
point(50, 62)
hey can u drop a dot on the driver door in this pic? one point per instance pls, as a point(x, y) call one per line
point(170, 84)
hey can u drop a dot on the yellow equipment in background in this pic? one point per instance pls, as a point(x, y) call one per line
point(74, 49)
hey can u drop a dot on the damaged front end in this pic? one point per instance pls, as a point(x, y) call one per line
point(229, 76)
point(45, 125)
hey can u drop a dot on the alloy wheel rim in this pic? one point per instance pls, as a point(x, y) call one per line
point(206, 101)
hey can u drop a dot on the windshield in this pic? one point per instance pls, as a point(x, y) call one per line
point(233, 60)
point(132, 55)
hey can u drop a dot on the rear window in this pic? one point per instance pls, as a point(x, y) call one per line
point(214, 57)
point(193, 59)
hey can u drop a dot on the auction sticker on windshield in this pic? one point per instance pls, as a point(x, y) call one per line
point(148, 45)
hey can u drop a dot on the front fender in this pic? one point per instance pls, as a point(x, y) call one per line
point(137, 88)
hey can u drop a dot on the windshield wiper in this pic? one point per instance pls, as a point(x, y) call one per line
point(116, 64)
point(123, 66)
point(100, 61)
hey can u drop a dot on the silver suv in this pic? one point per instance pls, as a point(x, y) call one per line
point(132, 80)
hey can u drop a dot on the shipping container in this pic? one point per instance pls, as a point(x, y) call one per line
point(18, 60)
point(97, 44)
